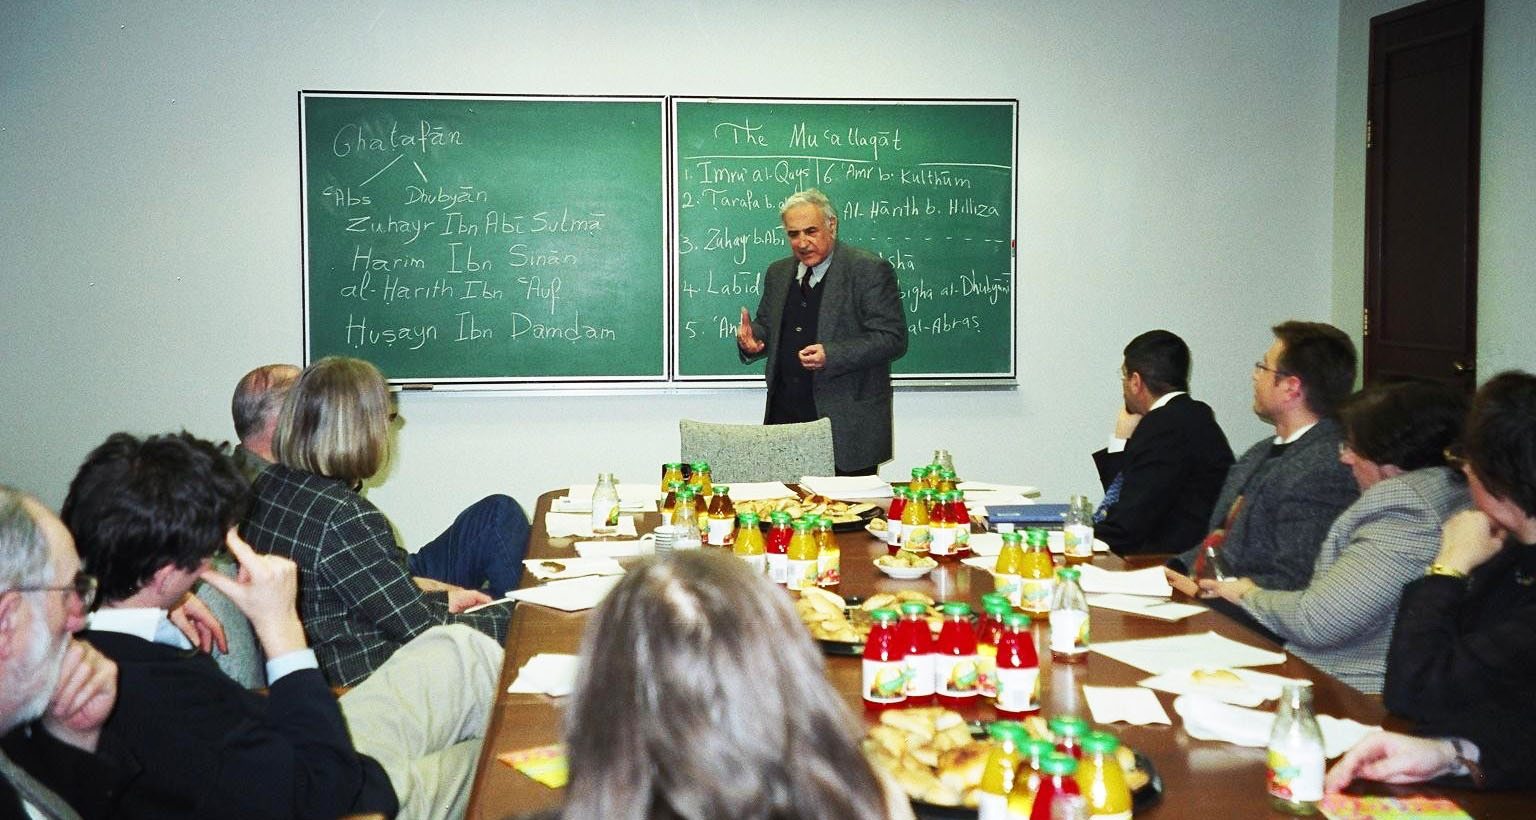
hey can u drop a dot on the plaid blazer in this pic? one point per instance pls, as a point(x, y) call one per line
point(356, 597)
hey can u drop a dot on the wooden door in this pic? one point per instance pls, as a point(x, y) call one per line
point(1422, 136)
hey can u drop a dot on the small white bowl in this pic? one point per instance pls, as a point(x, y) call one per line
point(905, 573)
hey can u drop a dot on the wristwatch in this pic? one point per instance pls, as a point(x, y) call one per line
point(1465, 765)
point(1442, 569)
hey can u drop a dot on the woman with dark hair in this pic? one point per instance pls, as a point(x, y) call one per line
point(357, 597)
point(1341, 622)
point(700, 696)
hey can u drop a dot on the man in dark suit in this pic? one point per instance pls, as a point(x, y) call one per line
point(829, 322)
point(1280, 498)
point(1166, 464)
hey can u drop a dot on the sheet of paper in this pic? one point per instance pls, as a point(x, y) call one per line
point(845, 487)
point(1251, 689)
point(1150, 581)
point(1159, 655)
point(987, 544)
point(1124, 704)
point(554, 569)
point(759, 490)
point(977, 502)
point(624, 548)
point(1208, 719)
point(1158, 608)
point(1379, 807)
point(546, 673)
point(1023, 490)
point(564, 525)
point(570, 596)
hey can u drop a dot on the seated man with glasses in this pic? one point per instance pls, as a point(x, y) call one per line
point(147, 517)
point(55, 690)
point(1280, 498)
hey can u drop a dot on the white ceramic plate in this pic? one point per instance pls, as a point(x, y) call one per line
point(904, 573)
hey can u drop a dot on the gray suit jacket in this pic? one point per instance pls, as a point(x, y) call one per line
point(863, 327)
point(1287, 509)
point(1342, 622)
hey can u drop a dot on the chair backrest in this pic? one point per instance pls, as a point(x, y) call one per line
point(759, 452)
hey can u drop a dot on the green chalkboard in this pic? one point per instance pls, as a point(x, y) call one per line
point(929, 185)
point(476, 238)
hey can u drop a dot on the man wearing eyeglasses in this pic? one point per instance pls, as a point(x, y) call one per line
point(1280, 498)
point(55, 691)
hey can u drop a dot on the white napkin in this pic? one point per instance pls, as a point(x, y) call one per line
point(1159, 655)
point(1127, 704)
point(1022, 490)
point(546, 673)
point(1149, 581)
point(759, 490)
point(1207, 719)
point(556, 569)
point(562, 525)
point(570, 596)
point(1256, 687)
point(986, 543)
point(1145, 605)
point(626, 548)
point(847, 486)
point(985, 562)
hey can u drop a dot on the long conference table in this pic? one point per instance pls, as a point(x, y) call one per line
point(1200, 778)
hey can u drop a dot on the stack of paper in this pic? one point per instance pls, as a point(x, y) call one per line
point(557, 569)
point(1208, 649)
point(547, 674)
point(845, 487)
point(1149, 581)
point(570, 596)
point(1207, 719)
point(1159, 608)
point(564, 525)
point(624, 548)
point(1250, 688)
point(1127, 704)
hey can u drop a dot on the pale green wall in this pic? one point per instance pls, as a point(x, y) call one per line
point(1177, 171)
point(1507, 207)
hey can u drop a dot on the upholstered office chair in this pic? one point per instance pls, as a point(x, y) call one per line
point(759, 452)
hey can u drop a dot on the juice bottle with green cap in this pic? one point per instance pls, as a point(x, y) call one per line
point(800, 559)
point(670, 472)
point(1037, 576)
point(1069, 618)
point(942, 529)
point(893, 517)
point(829, 557)
point(776, 546)
point(1018, 669)
point(1010, 562)
point(917, 644)
point(721, 518)
point(699, 479)
point(1101, 779)
point(955, 674)
point(884, 674)
point(1002, 767)
point(749, 544)
point(989, 630)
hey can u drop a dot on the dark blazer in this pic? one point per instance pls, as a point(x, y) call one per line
point(90, 783)
point(1287, 509)
point(1460, 661)
point(863, 327)
point(1173, 467)
point(212, 749)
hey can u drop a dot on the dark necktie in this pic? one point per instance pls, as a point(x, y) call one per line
point(805, 284)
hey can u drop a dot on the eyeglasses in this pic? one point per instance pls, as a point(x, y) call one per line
point(84, 585)
point(1260, 365)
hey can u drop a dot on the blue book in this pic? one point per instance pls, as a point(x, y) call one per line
point(1029, 515)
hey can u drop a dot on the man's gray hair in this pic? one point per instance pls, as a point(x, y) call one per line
point(23, 550)
point(259, 396)
point(810, 196)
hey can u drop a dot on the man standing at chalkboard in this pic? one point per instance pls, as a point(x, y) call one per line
point(830, 322)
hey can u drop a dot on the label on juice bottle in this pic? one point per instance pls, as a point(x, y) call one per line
point(943, 542)
point(777, 567)
point(1296, 774)
point(893, 530)
point(1009, 585)
point(1077, 540)
point(991, 806)
point(920, 681)
point(1069, 631)
point(884, 681)
point(1035, 594)
point(986, 670)
point(957, 676)
point(799, 574)
point(722, 532)
point(757, 563)
point(829, 567)
point(1018, 690)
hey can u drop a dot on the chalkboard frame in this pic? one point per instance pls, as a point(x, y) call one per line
point(662, 374)
point(984, 379)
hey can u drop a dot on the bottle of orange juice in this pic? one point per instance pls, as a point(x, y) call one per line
point(1010, 565)
point(800, 561)
point(1037, 576)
